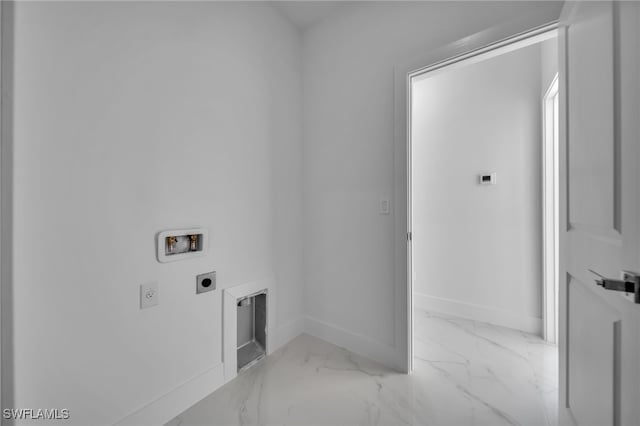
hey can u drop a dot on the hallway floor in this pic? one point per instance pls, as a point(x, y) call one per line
point(465, 373)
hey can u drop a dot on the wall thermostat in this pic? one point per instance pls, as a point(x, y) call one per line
point(487, 179)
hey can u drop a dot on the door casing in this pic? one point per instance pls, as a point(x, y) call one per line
point(490, 42)
point(550, 211)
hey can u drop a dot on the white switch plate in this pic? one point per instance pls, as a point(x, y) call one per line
point(148, 295)
point(385, 206)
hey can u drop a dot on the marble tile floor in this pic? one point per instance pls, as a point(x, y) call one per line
point(465, 373)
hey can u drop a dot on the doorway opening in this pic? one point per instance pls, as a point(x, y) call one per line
point(483, 220)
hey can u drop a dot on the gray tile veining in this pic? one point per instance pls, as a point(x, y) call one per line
point(465, 373)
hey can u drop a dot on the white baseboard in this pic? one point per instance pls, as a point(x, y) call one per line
point(184, 396)
point(478, 313)
point(168, 406)
point(356, 343)
point(288, 332)
point(165, 408)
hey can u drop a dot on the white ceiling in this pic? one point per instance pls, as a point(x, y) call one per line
point(304, 14)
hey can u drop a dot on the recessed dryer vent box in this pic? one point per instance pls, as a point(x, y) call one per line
point(248, 318)
point(179, 244)
point(252, 329)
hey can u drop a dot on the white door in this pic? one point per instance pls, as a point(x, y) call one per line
point(600, 218)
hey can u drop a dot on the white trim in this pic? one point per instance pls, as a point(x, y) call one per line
point(287, 332)
point(550, 231)
point(353, 342)
point(474, 45)
point(537, 35)
point(409, 248)
point(168, 406)
point(553, 88)
point(171, 404)
point(481, 313)
point(565, 417)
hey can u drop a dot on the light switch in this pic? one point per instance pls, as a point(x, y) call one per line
point(148, 295)
point(385, 206)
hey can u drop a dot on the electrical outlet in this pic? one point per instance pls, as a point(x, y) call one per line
point(148, 295)
point(206, 282)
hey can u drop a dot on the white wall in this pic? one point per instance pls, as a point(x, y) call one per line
point(348, 152)
point(131, 118)
point(548, 63)
point(476, 248)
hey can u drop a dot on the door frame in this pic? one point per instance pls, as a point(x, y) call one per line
point(550, 202)
point(492, 41)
